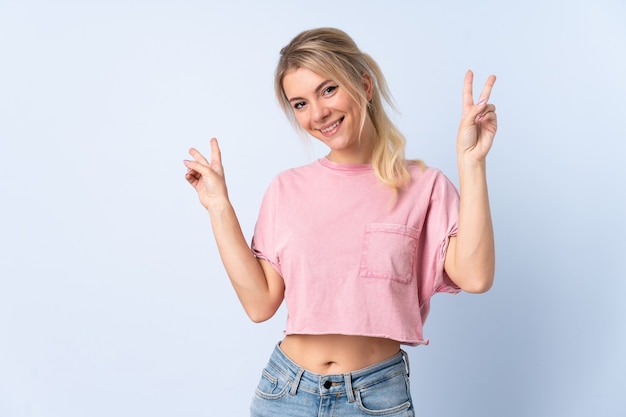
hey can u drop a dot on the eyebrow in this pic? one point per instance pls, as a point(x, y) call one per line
point(317, 90)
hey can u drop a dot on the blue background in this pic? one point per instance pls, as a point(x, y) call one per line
point(113, 301)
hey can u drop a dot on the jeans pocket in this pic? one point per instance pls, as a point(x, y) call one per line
point(273, 385)
point(389, 252)
point(389, 398)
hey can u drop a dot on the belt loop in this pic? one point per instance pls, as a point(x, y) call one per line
point(406, 362)
point(348, 380)
point(296, 382)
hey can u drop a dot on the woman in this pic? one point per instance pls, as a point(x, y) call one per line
point(357, 242)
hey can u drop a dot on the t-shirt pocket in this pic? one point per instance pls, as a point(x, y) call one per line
point(389, 252)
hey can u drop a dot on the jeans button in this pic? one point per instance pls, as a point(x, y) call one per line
point(328, 384)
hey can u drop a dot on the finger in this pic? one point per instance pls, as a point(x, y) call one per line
point(481, 112)
point(490, 117)
point(468, 99)
point(192, 173)
point(482, 116)
point(484, 95)
point(197, 168)
point(198, 156)
point(192, 177)
point(216, 154)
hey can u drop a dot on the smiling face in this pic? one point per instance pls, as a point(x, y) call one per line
point(327, 112)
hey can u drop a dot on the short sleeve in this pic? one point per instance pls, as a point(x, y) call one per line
point(264, 243)
point(441, 224)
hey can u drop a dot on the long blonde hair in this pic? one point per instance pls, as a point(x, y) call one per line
point(332, 54)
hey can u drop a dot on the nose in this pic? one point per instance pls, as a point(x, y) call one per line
point(320, 112)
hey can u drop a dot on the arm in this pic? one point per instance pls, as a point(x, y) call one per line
point(259, 287)
point(470, 259)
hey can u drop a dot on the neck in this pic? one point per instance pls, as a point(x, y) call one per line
point(362, 152)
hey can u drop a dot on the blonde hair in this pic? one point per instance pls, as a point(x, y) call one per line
point(332, 54)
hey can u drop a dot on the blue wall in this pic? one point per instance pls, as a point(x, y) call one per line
point(113, 300)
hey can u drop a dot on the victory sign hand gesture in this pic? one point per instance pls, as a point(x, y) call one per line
point(207, 178)
point(478, 121)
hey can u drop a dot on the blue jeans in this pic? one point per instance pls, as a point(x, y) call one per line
point(287, 390)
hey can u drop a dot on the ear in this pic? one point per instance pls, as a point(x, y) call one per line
point(368, 86)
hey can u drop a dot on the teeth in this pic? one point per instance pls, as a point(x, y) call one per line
point(329, 128)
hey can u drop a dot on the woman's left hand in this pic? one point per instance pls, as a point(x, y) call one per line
point(478, 121)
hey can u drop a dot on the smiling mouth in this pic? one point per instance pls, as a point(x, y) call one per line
point(332, 127)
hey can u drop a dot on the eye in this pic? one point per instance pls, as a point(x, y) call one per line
point(329, 90)
point(299, 105)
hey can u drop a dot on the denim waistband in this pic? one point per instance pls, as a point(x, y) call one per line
point(302, 379)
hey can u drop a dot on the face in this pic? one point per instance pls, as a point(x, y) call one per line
point(325, 110)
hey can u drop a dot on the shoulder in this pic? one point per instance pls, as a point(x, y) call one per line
point(433, 179)
point(302, 170)
point(421, 172)
point(293, 178)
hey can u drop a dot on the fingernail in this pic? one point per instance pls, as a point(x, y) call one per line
point(483, 101)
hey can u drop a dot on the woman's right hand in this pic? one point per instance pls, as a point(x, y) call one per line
point(259, 287)
point(207, 178)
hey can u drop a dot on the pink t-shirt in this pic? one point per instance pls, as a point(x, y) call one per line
point(353, 261)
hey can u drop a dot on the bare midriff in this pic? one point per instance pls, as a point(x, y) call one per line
point(337, 354)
